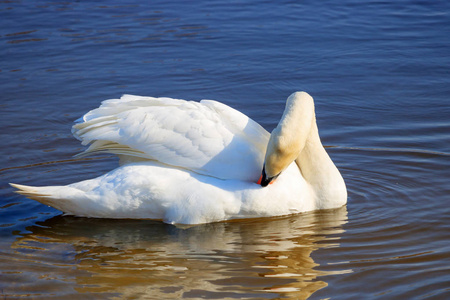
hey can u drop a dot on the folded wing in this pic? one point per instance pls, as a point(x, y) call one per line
point(205, 137)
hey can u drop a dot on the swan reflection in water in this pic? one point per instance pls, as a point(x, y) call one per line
point(257, 258)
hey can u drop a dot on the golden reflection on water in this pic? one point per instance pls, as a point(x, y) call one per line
point(145, 259)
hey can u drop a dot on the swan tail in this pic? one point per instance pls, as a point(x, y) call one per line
point(63, 198)
point(40, 194)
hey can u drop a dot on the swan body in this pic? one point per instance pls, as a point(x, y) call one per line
point(197, 162)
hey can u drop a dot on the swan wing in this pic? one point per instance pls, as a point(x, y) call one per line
point(205, 137)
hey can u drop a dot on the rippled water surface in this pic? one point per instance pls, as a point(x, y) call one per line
point(380, 76)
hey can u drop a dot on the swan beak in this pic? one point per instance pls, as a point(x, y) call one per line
point(264, 180)
point(259, 180)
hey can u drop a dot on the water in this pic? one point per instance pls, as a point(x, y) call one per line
point(379, 73)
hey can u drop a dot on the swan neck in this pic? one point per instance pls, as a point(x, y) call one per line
point(296, 138)
point(318, 169)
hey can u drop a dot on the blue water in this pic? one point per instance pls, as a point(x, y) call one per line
point(380, 76)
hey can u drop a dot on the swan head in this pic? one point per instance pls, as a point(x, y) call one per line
point(288, 139)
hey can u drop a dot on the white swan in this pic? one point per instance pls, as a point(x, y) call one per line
point(197, 162)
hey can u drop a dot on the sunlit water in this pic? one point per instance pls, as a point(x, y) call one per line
point(380, 76)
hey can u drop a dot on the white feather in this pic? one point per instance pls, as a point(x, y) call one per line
point(201, 136)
